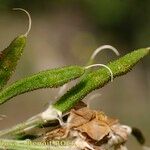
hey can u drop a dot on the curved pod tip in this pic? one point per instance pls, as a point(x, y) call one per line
point(29, 18)
point(99, 49)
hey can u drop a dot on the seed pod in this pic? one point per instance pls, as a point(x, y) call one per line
point(50, 78)
point(9, 57)
point(98, 79)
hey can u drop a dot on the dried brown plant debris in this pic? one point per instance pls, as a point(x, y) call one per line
point(91, 129)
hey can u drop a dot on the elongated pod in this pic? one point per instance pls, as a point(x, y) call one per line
point(98, 79)
point(50, 78)
point(9, 57)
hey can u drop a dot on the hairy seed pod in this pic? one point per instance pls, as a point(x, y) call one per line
point(9, 57)
point(98, 79)
point(46, 79)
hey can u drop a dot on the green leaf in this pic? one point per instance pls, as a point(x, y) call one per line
point(9, 58)
point(46, 79)
point(99, 78)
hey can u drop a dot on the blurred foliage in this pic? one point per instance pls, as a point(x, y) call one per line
point(129, 20)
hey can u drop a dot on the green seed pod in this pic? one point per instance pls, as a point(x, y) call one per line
point(50, 78)
point(98, 79)
point(9, 57)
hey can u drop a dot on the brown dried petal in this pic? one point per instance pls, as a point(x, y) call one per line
point(95, 129)
point(103, 118)
point(80, 117)
point(55, 134)
point(91, 126)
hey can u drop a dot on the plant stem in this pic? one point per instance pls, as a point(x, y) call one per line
point(20, 128)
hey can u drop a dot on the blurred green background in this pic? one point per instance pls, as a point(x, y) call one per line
point(66, 32)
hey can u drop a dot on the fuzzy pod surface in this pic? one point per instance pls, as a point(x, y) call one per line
point(9, 58)
point(97, 79)
point(45, 79)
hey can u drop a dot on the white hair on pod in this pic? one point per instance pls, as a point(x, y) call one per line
point(99, 49)
point(29, 18)
point(102, 65)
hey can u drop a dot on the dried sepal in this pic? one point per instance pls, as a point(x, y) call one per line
point(90, 129)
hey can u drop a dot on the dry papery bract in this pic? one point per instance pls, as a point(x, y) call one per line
point(91, 130)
